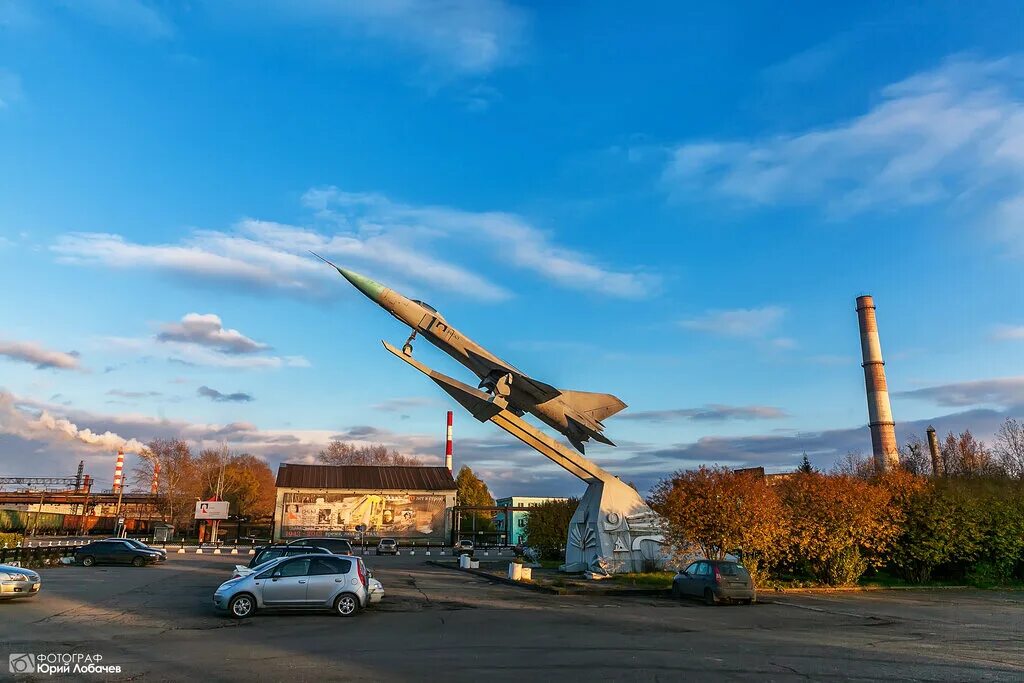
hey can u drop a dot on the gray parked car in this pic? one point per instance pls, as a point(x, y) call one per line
point(16, 582)
point(330, 582)
point(715, 581)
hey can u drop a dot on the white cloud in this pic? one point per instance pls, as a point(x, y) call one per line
point(714, 412)
point(187, 353)
point(208, 330)
point(135, 18)
point(31, 352)
point(953, 134)
point(740, 322)
point(518, 243)
point(1008, 333)
point(360, 230)
point(1002, 391)
point(455, 38)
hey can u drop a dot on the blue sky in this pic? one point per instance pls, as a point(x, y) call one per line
point(678, 206)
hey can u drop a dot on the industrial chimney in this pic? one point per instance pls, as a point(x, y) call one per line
point(119, 470)
point(448, 444)
point(883, 429)
point(933, 448)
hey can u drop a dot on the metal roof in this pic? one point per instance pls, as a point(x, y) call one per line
point(291, 475)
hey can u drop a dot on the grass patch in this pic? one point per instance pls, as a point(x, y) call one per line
point(645, 579)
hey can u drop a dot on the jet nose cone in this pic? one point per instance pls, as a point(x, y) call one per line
point(370, 288)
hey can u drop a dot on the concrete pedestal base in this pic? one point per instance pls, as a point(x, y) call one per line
point(613, 531)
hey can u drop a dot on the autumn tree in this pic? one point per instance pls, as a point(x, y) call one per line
point(344, 453)
point(243, 480)
point(963, 455)
point(915, 457)
point(177, 483)
point(838, 525)
point(855, 464)
point(250, 486)
point(547, 526)
point(1009, 447)
point(721, 511)
point(472, 491)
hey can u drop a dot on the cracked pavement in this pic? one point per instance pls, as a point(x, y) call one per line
point(158, 623)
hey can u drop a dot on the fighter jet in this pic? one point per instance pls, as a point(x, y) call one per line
point(575, 414)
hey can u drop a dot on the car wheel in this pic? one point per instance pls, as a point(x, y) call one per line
point(676, 593)
point(242, 606)
point(88, 561)
point(346, 605)
point(709, 597)
point(138, 562)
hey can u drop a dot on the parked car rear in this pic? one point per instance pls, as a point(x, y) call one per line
point(324, 582)
point(715, 581)
point(115, 551)
point(337, 546)
point(463, 547)
point(387, 546)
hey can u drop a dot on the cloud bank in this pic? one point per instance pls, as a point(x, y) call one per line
point(37, 355)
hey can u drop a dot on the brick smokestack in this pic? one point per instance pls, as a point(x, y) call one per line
point(119, 470)
point(448, 444)
point(155, 486)
point(883, 429)
point(933, 448)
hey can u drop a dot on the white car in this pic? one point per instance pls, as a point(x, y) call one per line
point(16, 582)
point(375, 591)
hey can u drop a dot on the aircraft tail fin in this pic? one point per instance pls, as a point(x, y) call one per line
point(595, 406)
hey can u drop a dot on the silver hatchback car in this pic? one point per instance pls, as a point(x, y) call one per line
point(328, 582)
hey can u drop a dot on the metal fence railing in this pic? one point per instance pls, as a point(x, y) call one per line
point(37, 554)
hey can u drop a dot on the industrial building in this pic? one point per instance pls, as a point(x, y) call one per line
point(410, 503)
point(513, 522)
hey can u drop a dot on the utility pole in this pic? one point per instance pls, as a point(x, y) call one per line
point(220, 491)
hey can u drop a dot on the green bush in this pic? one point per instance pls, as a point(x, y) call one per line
point(547, 527)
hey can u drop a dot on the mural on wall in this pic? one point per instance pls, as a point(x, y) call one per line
point(398, 515)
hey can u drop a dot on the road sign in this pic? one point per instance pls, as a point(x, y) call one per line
point(212, 509)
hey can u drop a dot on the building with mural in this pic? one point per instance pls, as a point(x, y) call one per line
point(515, 520)
point(396, 502)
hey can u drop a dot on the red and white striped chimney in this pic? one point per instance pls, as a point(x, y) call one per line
point(118, 470)
point(448, 444)
point(156, 477)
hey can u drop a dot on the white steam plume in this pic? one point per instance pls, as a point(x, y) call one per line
point(19, 422)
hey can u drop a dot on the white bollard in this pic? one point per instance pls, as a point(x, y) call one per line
point(199, 551)
point(428, 553)
point(412, 552)
point(252, 551)
point(216, 551)
point(181, 549)
point(464, 561)
point(234, 551)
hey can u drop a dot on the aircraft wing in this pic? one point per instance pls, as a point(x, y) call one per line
point(540, 391)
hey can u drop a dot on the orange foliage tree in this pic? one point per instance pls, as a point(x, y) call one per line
point(720, 511)
point(838, 525)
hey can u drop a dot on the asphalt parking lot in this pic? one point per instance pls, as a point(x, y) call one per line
point(157, 623)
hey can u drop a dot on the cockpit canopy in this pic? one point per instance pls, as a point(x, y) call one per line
point(425, 305)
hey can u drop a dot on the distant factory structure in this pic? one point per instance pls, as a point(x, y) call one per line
point(883, 429)
point(513, 523)
point(374, 501)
